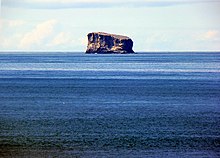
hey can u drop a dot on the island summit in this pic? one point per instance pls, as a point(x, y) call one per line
point(105, 43)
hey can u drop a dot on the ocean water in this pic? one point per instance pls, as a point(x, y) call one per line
point(134, 105)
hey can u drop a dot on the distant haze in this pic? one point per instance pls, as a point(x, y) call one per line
point(153, 25)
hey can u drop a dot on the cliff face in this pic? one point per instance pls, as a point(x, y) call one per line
point(104, 43)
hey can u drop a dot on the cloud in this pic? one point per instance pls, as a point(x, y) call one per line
point(58, 4)
point(67, 41)
point(8, 34)
point(38, 34)
point(9, 43)
point(11, 23)
point(15, 23)
point(61, 38)
point(211, 35)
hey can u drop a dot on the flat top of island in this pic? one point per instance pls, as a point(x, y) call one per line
point(113, 35)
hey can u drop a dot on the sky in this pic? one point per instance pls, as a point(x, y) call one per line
point(153, 25)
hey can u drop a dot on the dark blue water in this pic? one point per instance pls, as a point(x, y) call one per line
point(136, 105)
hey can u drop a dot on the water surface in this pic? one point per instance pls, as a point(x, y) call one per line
point(135, 105)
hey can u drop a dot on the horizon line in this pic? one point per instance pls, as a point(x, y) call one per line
point(62, 51)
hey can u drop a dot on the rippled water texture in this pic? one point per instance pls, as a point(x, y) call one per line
point(135, 105)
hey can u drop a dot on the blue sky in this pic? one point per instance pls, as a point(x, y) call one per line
point(154, 25)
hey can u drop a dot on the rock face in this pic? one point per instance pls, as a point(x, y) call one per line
point(104, 43)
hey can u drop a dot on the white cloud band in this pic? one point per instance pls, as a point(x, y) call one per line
point(57, 4)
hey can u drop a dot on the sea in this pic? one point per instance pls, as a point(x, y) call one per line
point(154, 104)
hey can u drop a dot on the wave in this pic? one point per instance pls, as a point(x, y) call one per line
point(113, 70)
point(114, 67)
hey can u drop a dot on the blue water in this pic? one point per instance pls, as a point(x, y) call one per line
point(135, 105)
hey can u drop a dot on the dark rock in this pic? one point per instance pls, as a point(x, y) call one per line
point(104, 43)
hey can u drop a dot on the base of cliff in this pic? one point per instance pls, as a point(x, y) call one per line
point(109, 52)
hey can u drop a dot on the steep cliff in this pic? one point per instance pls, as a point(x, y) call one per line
point(104, 43)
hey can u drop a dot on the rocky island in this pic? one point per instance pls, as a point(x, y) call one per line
point(105, 43)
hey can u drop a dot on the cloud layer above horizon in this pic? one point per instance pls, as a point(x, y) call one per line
point(154, 25)
point(58, 4)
